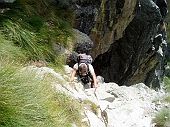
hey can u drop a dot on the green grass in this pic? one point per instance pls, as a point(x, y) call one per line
point(21, 37)
point(162, 117)
point(167, 99)
point(92, 105)
point(166, 81)
point(10, 52)
point(35, 26)
point(28, 100)
point(168, 33)
point(27, 33)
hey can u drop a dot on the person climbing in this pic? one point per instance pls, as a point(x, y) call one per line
point(162, 30)
point(84, 71)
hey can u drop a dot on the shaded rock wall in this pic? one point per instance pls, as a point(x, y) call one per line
point(113, 17)
point(127, 47)
point(134, 57)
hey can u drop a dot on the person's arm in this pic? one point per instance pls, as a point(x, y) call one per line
point(73, 74)
point(94, 80)
point(91, 69)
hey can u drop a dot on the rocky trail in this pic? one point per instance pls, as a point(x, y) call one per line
point(118, 106)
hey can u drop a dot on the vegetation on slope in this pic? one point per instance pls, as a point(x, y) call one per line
point(28, 100)
point(36, 26)
point(28, 32)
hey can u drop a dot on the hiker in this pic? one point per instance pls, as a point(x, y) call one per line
point(85, 71)
point(162, 30)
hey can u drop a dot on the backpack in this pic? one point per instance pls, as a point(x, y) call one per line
point(83, 58)
point(87, 59)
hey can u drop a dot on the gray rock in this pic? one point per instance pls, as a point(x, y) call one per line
point(132, 107)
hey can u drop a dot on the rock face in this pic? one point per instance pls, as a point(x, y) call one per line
point(127, 47)
point(117, 106)
point(134, 57)
point(113, 17)
point(83, 44)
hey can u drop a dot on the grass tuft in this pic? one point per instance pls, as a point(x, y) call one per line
point(166, 81)
point(36, 26)
point(92, 106)
point(10, 52)
point(28, 100)
point(162, 117)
